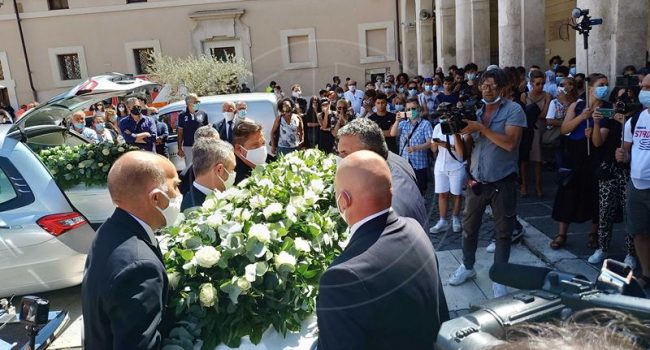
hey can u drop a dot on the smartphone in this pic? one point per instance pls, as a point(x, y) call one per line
point(608, 113)
point(437, 140)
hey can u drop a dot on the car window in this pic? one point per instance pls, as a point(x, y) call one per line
point(7, 191)
point(40, 142)
point(171, 119)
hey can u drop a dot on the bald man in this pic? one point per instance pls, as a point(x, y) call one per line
point(78, 124)
point(226, 125)
point(383, 291)
point(124, 290)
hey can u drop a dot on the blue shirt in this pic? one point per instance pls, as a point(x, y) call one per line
point(130, 127)
point(453, 99)
point(190, 122)
point(418, 159)
point(491, 163)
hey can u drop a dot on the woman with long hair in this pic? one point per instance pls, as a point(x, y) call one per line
point(311, 121)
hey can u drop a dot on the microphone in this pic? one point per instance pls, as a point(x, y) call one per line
point(519, 276)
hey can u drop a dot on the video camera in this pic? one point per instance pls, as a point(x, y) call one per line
point(452, 119)
point(545, 294)
point(625, 104)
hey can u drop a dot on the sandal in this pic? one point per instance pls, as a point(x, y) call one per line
point(558, 242)
point(592, 243)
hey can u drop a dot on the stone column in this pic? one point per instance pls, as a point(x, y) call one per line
point(408, 36)
point(424, 33)
point(619, 41)
point(521, 33)
point(446, 33)
point(473, 32)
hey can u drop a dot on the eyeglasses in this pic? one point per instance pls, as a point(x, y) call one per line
point(488, 86)
point(341, 108)
point(412, 109)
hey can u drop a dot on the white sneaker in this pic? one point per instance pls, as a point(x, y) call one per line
point(499, 290)
point(461, 275)
point(491, 247)
point(455, 225)
point(597, 257)
point(441, 226)
point(630, 261)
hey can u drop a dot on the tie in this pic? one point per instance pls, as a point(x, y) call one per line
point(229, 131)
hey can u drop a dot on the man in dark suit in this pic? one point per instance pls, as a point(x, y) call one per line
point(214, 169)
point(383, 291)
point(226, 125)
point(124, 290)
point(365, 134)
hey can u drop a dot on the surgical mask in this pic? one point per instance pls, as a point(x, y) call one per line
point(242, 113)
point(601, 92)
point(644, 98)
point(436, 87)
point(555, 66)
point(114, 118)
point(99, 127)
point(561, 90)
point(296, 94)
point(428, 87)
point(173, 209)
point(256, 156)
point(121, 109)
point(388, 90)
point(339, 95)
point(412, 92)
point(338, 161)
point(496, 100)
point(401, 90)
point(414, 114)
point(228, 183)
point(572, 71)
point(399, 108)
point(559, 80)
point(470, 76)
point(342, 212)
point(229, 116)
point(197, 106)
point(79, 126)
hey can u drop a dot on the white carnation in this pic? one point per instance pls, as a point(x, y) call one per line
point(207, 256)
point(302, 245)
point(317, 185)
point(260, 232)
point(243, 284)
point(69, 166)
point(310, 198)
point(207, 294)
point(273, 208)
point(285, 258)
point(106, 152)
point(209, 204)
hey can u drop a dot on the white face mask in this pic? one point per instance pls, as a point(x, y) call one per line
point(229, 116)
point(256, 156)
point(496, 100)
point(338, 161)
point(228, 183)
point(173, 209)
point(342, 212)
point(296, 94)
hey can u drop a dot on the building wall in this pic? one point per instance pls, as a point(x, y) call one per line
point(560, 40)
point(103, 36)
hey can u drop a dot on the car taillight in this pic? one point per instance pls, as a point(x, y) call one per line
point(59, 224)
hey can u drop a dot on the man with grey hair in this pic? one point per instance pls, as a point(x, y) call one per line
point(124, 290)
point(364, 134)
point(188, 122)
point(187, 175)
point(214, 169)
point(138, 129)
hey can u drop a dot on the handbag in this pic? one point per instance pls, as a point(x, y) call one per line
point(551, 137)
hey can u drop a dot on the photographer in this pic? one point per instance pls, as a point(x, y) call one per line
point(414, 140)
point(494, 142)
point(612, 178)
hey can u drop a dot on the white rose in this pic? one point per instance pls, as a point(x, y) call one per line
point(243, 284)
point(257, 201)
point(174, 278)
point(302, 245)
point(317, 185)
point(106, 152)
point(260, 232)
point(215, 219)
point(266, 183)
point(285, 258)
point(120, 149)
point(209, 203)
point(207, 256)
point(207, 294)
point(310, 198)
point(274, 208)
point(81, 165)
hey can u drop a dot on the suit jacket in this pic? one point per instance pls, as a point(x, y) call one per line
point(383, 291)
point(407, 199)
point(221, 128)
point(193, 198)
point(124, 290)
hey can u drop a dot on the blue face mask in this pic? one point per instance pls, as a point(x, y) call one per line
point(572, 71)
point(242, 113)
point(414, 114)
point(412, 92)
point(601, 92)
point(99, 127)
point(197, 106)
point(470, 76)
point(79, 126)
point(644, 98)
point(401, 90)
point(399, 108)
point(559, 80)
point(555, 66)
point(428, 87)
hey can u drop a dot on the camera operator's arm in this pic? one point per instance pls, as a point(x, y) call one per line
point(598, 134)
point(508, 141)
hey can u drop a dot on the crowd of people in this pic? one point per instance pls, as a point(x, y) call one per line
point(477, 130)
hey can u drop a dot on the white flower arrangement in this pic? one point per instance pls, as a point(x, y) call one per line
point(251, 257)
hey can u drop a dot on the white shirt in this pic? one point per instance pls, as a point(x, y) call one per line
point(355, 99)
point(444, 161)
point(640, 152)
point(206, 191)
point(360, 223)
point(147, 228)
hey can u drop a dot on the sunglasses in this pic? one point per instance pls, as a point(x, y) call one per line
point(341, 108)
point(412, 109)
